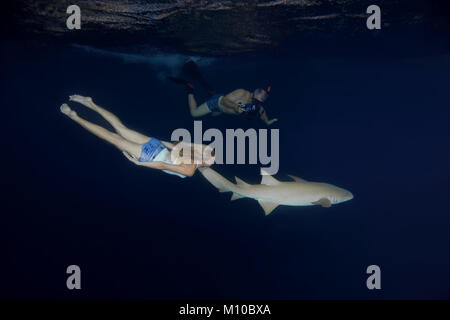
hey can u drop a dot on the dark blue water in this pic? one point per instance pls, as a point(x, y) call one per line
point(377, 126)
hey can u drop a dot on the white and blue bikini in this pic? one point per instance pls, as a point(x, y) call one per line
point(155, 151)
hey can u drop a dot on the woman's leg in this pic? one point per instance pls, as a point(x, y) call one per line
point(128, 134)
point(121, 143)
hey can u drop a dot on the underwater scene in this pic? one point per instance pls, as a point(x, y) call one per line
point(128, 126)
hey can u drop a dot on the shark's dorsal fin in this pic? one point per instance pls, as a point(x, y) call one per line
point(235, 196)
point(241, 183)
point(267, 206)
point(324, 202)
point(267, 179)
point(297, 179)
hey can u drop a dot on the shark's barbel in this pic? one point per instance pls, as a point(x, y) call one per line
point(271, 193)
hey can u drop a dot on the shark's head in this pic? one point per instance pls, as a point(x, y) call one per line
point(338, 195)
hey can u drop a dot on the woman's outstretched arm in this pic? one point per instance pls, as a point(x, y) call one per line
point(169, 145)
point(184, 169)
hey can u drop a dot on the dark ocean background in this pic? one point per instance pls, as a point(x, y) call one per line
point(373, 122)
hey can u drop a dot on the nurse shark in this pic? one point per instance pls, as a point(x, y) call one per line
point(271, 193)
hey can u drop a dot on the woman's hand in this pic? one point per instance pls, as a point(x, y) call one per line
point(131, 158)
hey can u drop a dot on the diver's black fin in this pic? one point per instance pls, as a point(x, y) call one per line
point(189, 86)
point(191, 69)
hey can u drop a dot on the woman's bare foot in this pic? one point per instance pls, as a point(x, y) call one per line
point(67, 111)
point(85, 101)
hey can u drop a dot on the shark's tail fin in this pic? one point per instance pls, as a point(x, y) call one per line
point(218, 181)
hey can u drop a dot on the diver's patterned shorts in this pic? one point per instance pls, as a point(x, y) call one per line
point(213, 103)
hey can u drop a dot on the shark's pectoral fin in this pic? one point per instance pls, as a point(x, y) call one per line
point(222, 189)
point(324, 202)
point(267, 206)
point(235, 196)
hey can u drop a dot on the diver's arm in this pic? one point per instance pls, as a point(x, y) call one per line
point(236, 95)
point(227, 103)
point(266, 119)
